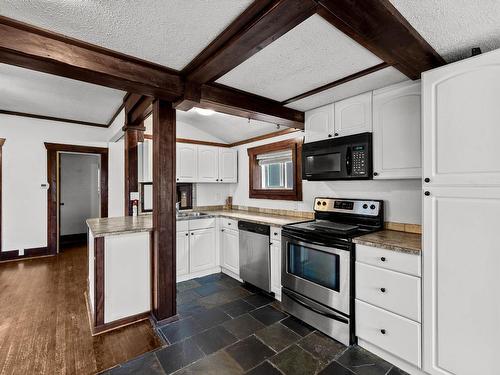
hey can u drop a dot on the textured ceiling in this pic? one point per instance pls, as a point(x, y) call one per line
point(453, 27)
point(310, 55)
point(28, 91)
point(168, 32)
point(373, 81)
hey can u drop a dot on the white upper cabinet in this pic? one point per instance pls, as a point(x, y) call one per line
point(319, 123)
point(353, 115)
point(461, 122)
point(187, 162)
point(228, 165)
point(208, 164)
point(397, 132)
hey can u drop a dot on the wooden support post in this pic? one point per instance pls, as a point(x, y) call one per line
point(132, 137)
point(164, 197)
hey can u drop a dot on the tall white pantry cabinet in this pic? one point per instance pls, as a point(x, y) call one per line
point(461, 220)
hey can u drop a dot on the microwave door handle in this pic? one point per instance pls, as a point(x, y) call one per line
point(317, 311)
point(348, 161)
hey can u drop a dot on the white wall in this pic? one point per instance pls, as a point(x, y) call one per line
point(24, 211)
point(402, 198)
point(79, 189)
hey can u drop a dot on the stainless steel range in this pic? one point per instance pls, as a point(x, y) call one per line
point(318, 263)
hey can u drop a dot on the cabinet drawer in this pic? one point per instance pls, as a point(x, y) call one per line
point(389, 290)
point(229, 223)
point(182, 225)
point(201, 223)
point(392, 333)
point(391, 260)
point(276, 233)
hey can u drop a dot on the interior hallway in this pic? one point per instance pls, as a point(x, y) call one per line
point(44, 327)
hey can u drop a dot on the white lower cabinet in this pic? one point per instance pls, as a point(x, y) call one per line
point(276, 268)
point(182, 258)
point(388, 305)
point(202, 250)
point(230, 254)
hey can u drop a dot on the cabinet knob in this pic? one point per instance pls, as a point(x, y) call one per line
point(177, 179)
point(187, 234)
point(382, 259)
point(217, 180)
point(329, 136)
point(275, 233)
point(427, 179)
point(427, 193)
point(192, 234)
point(375, 173)
point(221, 180)
point(382, 331)
point(228, 223)
point(336, 134)
point(222, 230)
point(382, 290)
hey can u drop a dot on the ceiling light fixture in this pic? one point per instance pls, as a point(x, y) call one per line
point(204, 111)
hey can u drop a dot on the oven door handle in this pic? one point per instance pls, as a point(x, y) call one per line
point(317, 311)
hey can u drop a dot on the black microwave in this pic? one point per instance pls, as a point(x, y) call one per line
point(343, 158)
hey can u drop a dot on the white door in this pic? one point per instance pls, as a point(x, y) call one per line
point(461, 122)
point(182, 253)
point(461, 281)
point(230, 250)
point(202, 254)
point(187, 162)
point(228, 165)
point(319, 123)
point(353, 115)
point(276, 268)
point(208, 164)
point(397, 132)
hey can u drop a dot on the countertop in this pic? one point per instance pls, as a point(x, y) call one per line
point(257, 217)
point(108, 226)
point(393, 240)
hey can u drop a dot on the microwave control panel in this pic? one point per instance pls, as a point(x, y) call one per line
point(359, 160)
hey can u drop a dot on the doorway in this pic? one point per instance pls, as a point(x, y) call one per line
point(77, 189)
point(79, 196)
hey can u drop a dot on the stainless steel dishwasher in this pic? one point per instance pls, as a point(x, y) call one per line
point(255, 255)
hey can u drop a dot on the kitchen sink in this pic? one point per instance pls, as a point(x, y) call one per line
point(186, 215)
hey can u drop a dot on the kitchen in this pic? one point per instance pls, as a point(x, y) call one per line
point(252, 242)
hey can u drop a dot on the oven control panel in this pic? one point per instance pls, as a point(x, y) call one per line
point(355, 207)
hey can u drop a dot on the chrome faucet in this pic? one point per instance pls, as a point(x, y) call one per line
point(177, 207)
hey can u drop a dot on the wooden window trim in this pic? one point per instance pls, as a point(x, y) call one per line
point(254, 177)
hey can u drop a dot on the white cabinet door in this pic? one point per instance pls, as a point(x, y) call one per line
point(397, 132)
point(461, 281)
point(182, 253)
point(228, 165)
point(187, 162)
point(319, 123)
point(202, 252)
point(353, 115)
point(276, 268)
point(461, 129)
point(230, 250)
point(208, 164)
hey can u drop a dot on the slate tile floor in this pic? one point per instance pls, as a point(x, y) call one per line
point(229, 328)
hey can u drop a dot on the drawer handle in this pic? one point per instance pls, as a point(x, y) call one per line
point(382, 290)
point(382, 331)
point(382, 259)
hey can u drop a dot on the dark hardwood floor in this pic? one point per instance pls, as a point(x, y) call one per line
point(44, 328)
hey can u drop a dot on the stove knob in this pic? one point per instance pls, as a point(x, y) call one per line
point(372, 206)
point(365, 206)
point(324, 203)
point(318, 203)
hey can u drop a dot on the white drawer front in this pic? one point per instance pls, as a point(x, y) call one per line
point(202, 223)
point(276, 233)
point(389, 290)
point(229, 223)
point(392, 333)
point(182, 225)
point(392, 260)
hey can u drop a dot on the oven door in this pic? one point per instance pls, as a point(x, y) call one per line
point(318, 272)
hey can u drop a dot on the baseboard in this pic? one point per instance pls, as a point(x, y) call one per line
point(13, 255)
point(69, 240)
point(231, 274)
point(198, 274)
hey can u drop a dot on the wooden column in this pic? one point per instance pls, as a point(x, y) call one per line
point(2, 141)
point(133, 135)
point(164, 197)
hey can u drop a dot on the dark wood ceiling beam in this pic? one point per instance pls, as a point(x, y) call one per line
point(142, 109)
point(379, 27)
point(37, 49)
point(261, 24)
point(338, 82)
point(51, 118)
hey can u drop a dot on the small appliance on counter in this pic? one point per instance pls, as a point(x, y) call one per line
point(318, 263)
point(344, 158)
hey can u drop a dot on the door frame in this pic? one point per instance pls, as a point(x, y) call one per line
point(53, 150)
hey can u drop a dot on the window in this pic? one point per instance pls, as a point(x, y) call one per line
point(275, 170)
